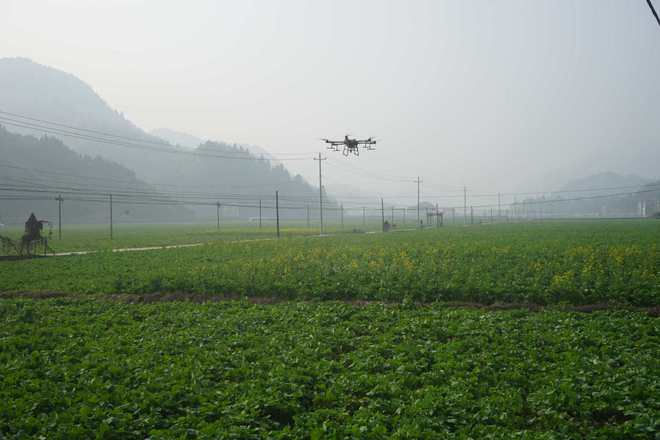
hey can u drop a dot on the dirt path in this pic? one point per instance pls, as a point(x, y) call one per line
point(187, 245)
point(157, 248)
point(135, 249)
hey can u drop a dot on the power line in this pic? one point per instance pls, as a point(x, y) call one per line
point(122, 181)
point(88, 130)
point(59, 185)
point(141, 187)
point(655, 14)
point(362, 171)
point(147, 199)
point(28, 186)
point(601, 196)
point(159, 142)
point(130, 145)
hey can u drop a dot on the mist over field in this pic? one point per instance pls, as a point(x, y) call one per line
point(511, 96)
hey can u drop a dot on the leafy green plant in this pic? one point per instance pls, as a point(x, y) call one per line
point(98, 369)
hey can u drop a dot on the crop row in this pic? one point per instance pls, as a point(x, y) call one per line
point(94, 369)
point(545, 264)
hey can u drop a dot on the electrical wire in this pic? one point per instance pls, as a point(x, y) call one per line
point(159, 142)
point(655, 14)
point(131, 145)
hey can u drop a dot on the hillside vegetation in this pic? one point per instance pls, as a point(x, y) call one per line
point(41, 164)
point(38, 91)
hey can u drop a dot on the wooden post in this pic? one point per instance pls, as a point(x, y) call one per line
point(341, 207)
point(419, 225)
point(111, 232)
point(59, 216)
point(464, 205)
point(277, 212)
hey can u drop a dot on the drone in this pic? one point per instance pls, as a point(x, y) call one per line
point(350, 146)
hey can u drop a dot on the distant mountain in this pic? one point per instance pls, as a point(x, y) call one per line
point(605, 180)
point(37, 91)
point(606, 194)
point(177, 137)
point(44, 93)
point(30, 168)
point(190, 141)
point(31, 89)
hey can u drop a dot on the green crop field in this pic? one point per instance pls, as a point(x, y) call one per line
point(97, 237)
point(86, 368)
point(542, 263)
point(343, 336)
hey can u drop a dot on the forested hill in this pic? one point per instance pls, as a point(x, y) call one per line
point(28, 88)
point(30, 168)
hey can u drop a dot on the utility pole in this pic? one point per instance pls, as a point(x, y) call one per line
point(418, 183)
point(437, 221)
point(382, 213)
point(404, 215)
point(307, 206)
point(364, 216)
point(59, 216)
point(277, 212)
point(499, 205)
point(110, 216)
point(320, 159)
point(341, 207)
point(217, 206)
point(392, 217)
point(464, 205)
point(259, 213)
point(453, 216)
point(471, 215)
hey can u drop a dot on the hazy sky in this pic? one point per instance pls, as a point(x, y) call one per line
point(496, 95)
